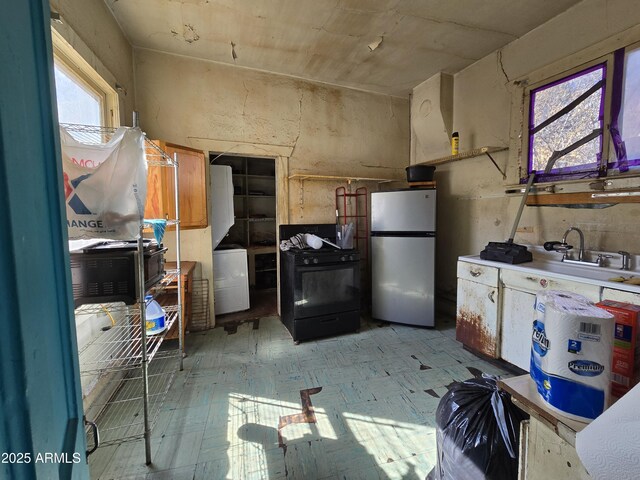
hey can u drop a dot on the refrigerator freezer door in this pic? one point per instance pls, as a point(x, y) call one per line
point(403, 279)
point(403, 211)
point(221, 206)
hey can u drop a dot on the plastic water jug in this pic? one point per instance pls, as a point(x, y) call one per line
point(154, 317)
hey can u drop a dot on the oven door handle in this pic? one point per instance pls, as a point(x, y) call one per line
point(325, 266)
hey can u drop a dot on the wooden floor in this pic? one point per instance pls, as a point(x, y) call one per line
point(264, 303)
point(252, 405)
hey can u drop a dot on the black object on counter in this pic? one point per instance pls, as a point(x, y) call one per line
point(506, 252)
point(420, 173)
point(107, 272)
point(478, 432)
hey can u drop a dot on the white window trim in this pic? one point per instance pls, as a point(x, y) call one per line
point(71, 61)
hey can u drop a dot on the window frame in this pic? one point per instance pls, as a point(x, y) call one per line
point(615, 165)
point(601, 170)
point(75, 66)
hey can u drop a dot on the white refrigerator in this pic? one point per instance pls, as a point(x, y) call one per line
point(403, 244)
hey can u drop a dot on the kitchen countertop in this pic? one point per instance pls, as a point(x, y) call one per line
point(547, 263)
point(524, 394)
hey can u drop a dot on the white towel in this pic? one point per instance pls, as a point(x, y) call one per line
point(297, 241)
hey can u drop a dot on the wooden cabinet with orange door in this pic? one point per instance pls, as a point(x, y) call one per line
point(192, 188)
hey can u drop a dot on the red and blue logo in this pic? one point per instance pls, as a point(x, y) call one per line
point(72, 198)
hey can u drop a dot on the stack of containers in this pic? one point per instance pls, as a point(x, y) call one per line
point(571, 350)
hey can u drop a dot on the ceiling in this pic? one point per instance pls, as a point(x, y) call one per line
point(331, 40)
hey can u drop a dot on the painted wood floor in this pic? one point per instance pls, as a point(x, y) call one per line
point(252, 405)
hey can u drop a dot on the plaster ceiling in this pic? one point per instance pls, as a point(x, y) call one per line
point(328, 40)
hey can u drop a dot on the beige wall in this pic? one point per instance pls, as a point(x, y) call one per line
point(90, 28)
point(472, 206)
point(318, 128)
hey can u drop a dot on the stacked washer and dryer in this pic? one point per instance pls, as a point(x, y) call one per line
point(230, 269)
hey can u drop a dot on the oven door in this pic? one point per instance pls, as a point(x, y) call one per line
point(326, 289)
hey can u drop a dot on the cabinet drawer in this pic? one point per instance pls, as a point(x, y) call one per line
point(533, 283)
point(478, 273)
point(620, 296)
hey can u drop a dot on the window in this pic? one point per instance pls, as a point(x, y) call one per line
point(77, 101)
point(587, 121)
point(625, 127)
point(83, 96)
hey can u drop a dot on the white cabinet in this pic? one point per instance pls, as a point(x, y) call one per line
point(518, 300)
point(517, 319)
point(477, 312)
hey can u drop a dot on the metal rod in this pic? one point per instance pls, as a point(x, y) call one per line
point(504, 176)
point(179, 265)
point(136, 116)
point(143, 316)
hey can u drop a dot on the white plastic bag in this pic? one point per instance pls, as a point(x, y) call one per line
point(105, 185)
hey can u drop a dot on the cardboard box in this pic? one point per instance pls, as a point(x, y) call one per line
point(625, 367)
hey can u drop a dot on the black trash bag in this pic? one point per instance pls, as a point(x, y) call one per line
point(478, 433)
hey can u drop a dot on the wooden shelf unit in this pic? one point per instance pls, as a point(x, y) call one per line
point(187, 269)
point(254, 202)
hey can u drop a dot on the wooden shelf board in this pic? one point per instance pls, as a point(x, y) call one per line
point(305, 176)
point(476, 152)
point(581, 198)
point(431, 184)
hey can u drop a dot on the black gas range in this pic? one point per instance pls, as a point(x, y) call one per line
point(319, 289)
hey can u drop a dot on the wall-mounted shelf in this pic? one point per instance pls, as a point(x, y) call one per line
point(476, 152)
point(305, 176)
point(584, 198)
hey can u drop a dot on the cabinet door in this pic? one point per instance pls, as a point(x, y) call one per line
point(157, 202)
point(477, 317)
point(192, 188)
point(517, 319)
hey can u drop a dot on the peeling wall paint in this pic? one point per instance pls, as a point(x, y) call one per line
point(472, 206)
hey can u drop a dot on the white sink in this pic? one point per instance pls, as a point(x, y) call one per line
point(586, 271)
point(549, 263)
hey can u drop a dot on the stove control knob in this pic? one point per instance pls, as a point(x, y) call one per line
point(306, 261)
point(351, 258)
point(343, 258)
point(315, 260)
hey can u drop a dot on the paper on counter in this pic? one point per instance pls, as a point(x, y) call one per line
point(610, 446)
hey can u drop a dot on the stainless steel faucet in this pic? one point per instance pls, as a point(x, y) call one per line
point(626, 260)
point(581, 248)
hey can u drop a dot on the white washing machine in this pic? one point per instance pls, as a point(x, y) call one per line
point(231, 280)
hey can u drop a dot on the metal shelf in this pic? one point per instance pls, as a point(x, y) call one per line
point(120, 347)
point(121, 308)
point(96, 135)
point(123, 361)
point(121, 417)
